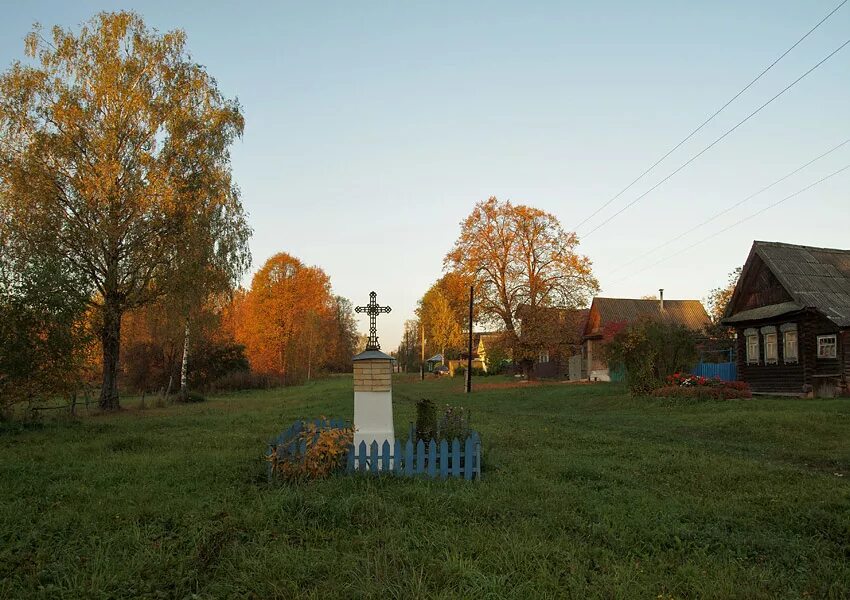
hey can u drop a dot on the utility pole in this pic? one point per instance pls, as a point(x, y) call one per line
point(469, 348)
point(422, 358)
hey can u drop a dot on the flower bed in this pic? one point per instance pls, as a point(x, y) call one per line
point(697, 387)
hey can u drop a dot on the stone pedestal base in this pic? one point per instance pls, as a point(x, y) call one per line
point(373, 418)
point(373, 400)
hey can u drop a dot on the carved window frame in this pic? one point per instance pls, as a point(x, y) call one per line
point(824, 342)
point(771, 345)
point(753, 346)
point(790, 338)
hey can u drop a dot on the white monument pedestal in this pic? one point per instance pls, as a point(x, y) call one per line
point(373, 399)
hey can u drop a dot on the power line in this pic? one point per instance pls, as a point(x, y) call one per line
point(732, 207)
point(740, 222)
point(715, 142)
point(711, 118)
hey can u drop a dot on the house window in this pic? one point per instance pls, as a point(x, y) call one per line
point(827, 346)
point(770, 351)
point(789, 351)
point(752, 337)
point(544, 357)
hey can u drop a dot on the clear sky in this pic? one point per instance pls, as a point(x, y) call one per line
point(373, 127)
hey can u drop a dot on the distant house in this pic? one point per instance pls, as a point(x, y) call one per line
point(791, 311)
point(565, 327)
point(609, 315)
point(481, 342)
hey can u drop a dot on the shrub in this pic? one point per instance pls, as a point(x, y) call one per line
point(650, 350)
point(211, 360)
point(426, 419)
point(242, 381)
point(454, 424)
point(727, 391)
point(193, 397)
point(326, 449)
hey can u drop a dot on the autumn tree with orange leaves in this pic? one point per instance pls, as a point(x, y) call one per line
point(520, 256)
point(290, 322)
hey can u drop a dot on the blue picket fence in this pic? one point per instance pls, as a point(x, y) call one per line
point(433, 460)
point(727, 371)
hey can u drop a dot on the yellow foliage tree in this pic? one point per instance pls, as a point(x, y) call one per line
point(519, 256)
point(114, 157)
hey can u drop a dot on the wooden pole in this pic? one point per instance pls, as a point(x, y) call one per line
point(422, 350)
point(469, 348)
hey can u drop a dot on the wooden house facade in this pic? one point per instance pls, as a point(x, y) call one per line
point(557, 332)
point(791, 313)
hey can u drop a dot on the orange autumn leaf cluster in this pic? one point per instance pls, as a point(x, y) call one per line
point(289, 321)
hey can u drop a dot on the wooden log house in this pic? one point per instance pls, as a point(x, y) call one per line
point(791, 312)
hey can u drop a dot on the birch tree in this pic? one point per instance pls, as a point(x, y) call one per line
point(114, 145)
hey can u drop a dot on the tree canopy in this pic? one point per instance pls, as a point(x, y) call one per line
point(520, 257)
point(114, 157)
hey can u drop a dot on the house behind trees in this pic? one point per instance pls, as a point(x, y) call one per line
point(607, 316)
point(550, 337)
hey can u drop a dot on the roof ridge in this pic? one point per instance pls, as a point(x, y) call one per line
point(648, 299)
point(761, 243)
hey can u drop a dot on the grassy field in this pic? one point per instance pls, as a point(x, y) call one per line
point(586, 493)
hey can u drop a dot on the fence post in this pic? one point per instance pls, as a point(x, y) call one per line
point(455, 458)
point(432, 458)
point(467, 458)
point(385, 457)
point(408, 458)
point(398, 460)
point(349, 468)
point(444, 459)
point(420, 457)
point(361, 462)
point(373, 458)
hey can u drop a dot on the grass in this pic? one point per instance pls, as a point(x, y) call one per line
point(586, 493)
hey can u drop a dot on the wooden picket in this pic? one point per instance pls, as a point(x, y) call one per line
point(461, 459)
point(443, 459)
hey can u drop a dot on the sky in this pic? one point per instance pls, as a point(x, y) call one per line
point(372, 128)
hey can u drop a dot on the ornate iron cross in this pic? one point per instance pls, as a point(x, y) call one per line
point(373, 310)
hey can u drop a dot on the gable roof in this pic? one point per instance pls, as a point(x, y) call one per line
point(817, 278)
point(689, 313)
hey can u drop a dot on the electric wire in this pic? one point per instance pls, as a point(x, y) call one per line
point(715, 142)
point(711, 118)
point(730, 208)
point(737, 223)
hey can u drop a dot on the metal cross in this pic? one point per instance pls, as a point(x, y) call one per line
point(373, 310)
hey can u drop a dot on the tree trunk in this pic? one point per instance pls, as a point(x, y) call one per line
point(184, 367)
point(110, 339)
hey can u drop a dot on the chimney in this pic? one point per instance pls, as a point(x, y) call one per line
point(661, 299)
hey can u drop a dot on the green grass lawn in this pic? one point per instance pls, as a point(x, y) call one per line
point(586, 493)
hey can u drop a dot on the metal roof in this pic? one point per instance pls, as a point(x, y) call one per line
point(689, 313)
point(817, 278)
point(373, 355)
point(764, 312)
